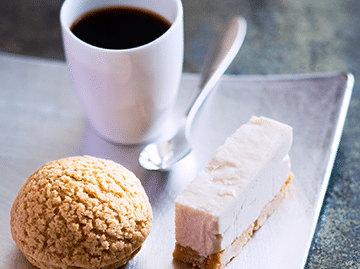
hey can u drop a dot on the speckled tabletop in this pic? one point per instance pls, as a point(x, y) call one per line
point(284, 37)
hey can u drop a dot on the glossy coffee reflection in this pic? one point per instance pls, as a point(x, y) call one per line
point(120, 27)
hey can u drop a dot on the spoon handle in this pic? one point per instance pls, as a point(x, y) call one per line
point(217, 62)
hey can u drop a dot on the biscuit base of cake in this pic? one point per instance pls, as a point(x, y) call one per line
point(222, 258)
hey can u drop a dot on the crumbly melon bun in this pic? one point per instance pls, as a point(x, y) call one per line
point(81, 212)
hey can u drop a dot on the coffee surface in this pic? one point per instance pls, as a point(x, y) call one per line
point(120, 27)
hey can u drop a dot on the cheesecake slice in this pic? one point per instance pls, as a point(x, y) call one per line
point(233, 195)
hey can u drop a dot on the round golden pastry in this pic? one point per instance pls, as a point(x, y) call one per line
point(81, 212)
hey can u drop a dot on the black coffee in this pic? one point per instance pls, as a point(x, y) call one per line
point(120, 27)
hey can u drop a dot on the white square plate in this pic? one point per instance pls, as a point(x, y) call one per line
point(41, 120)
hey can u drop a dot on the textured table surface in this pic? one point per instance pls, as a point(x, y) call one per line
point(284, 37)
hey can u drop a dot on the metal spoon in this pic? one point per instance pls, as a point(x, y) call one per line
point(163, 154)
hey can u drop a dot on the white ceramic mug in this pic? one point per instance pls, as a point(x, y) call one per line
point(127, 94)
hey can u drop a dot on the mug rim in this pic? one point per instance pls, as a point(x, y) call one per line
point(178, 20)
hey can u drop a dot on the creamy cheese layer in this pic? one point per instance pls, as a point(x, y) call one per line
point(230, 192)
